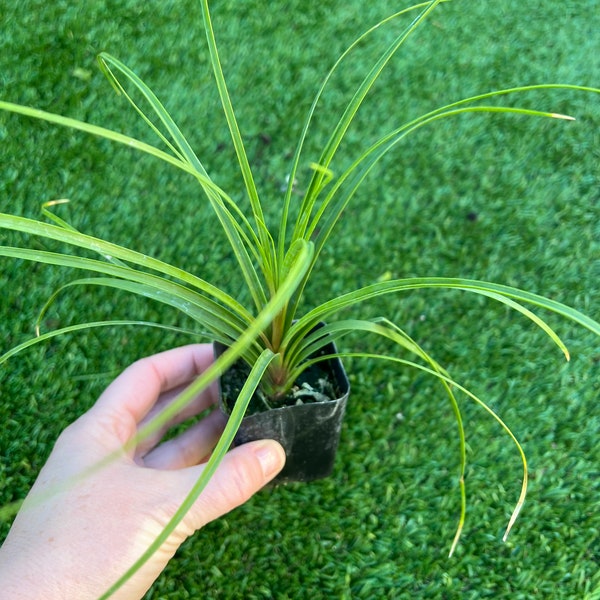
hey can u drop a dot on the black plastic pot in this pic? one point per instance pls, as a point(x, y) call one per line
point(308, 432)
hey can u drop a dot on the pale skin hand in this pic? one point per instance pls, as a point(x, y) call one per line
point(78, 541)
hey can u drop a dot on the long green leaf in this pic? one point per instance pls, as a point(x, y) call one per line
point(218, 367)
point(96, 131)
point(385, 328)
point(238, 346)
point(182, 149)
point(128, 141)
point(367, 160)
point(217, 323)
point(104, 248)
point(496, 291)
point(242, 240)
point(223, 362)
point(223, 445)
point(300, 145)
point(298, 335)
point(482, 404)
point(84, 327)
point(348, 116)
point(62, 223)
point(204, 309)
point(237, 236)
point(336, 202)
point(267, 244)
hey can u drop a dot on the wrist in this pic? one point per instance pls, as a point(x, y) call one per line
point(19, 576)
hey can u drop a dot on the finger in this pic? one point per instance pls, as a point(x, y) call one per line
point(199, 404)
point(130, 397)
point(189, 448)
point(243, 471)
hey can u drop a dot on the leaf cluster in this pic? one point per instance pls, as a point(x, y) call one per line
point(273, 332)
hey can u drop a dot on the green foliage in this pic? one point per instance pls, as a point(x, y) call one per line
point(278, 263)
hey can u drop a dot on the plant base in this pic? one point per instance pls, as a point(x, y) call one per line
point(308, 432)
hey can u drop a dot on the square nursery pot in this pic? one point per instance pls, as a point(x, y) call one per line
point(308, 431)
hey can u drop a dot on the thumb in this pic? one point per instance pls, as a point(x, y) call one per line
point(243, 471)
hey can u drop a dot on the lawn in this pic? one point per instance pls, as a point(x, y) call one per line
point(502, 198)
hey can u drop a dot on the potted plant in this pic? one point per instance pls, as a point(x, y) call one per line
point(280, 343)
point(306, 419)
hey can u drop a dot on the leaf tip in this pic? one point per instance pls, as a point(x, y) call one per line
point(513, 519)
point(563, 117)
point(55, 202)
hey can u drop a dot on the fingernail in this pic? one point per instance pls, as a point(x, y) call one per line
point(271, 458)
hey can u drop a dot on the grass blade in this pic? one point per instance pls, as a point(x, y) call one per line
point(183, 151)
point(240, 243)
point(179, 295)
point(96, 131)
point(240, 240)
point(385, 328)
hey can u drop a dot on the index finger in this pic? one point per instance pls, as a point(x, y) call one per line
point(132, 395)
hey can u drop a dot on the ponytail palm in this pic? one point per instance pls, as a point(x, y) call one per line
point(270, 331)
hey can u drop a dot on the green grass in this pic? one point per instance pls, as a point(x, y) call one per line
point(496, 197)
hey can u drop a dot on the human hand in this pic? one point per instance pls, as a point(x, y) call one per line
point(75, 536)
